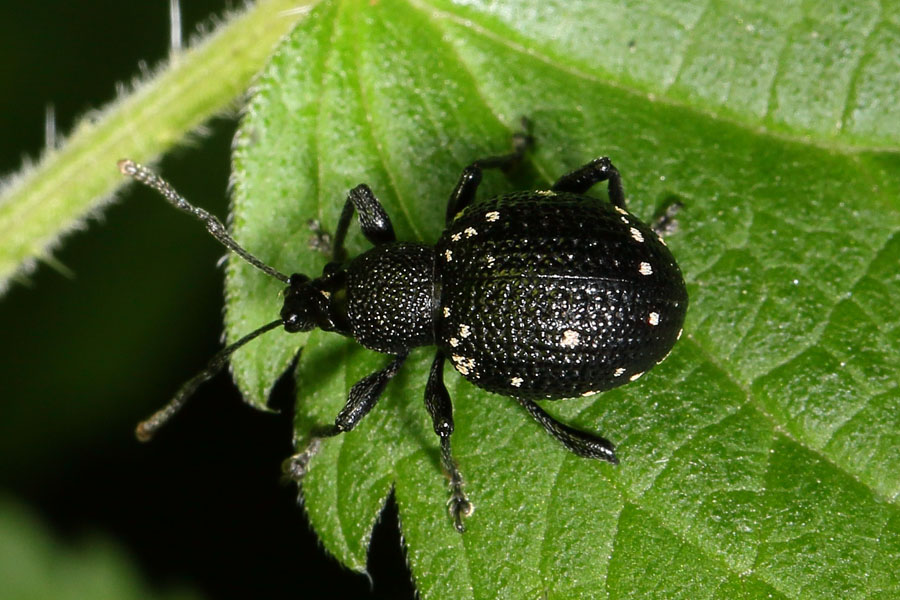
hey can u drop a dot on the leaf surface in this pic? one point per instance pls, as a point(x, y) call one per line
point(759, 460)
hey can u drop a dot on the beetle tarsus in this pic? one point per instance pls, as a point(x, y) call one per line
point(666, 218)
point(523, 140)
point(460, 507)
point(459, 504)
point(296, 466)
point(363, 396)
point(320, 240)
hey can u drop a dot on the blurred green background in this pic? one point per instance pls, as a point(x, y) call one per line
point(91, 348)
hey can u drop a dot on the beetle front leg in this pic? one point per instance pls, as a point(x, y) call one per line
point(437, 402)
point(578, 442)
point(363, 396)
point(583, 178)
point(373, 220)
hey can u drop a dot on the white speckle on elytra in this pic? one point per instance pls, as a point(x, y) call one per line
point(636, 376)
point(516, 381)
point(464, 331)
point(463, 364)
point(570, 339)
point(470, 231)
point(448, 255)
point(636, 235)
point(456, 237)
point(653, 319)
point(588, 393)
point(619, 372)
point(620, 210)
point(646, 269)
point(680, 331)
point(492, 216)
point(662, 240)
point(326, 293)
point(454, 342)
point(625, 220)
point(446, 311)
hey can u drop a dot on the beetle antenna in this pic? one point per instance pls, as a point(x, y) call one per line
point(142, 174)
point(147, 429)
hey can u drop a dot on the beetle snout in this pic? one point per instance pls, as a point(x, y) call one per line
point(301, 305)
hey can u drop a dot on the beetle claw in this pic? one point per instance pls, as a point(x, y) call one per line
point(459, 507)
point(296, 466)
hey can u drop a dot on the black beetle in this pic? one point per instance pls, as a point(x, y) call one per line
point(542, 294)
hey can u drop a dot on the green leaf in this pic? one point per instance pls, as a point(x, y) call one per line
point(35, 565)
point(760, 460)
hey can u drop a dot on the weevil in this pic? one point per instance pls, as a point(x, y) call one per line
point(535, 295)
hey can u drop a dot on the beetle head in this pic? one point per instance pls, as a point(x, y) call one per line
point(305, 306)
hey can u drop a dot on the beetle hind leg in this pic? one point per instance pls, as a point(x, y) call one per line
point(578, 442)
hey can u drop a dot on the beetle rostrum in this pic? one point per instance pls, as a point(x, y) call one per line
point(535, 295)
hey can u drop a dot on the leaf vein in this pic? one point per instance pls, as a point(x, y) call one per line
point(859, 68)
point(804, 139)
point(376, 146)
point(480, 91)
point(691, 50)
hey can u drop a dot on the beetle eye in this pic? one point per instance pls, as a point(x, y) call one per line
point(294, 322)
point(296, 319)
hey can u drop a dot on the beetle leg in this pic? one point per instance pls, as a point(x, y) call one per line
point(363, 396)
point(373, 220)
point(583, 178)
point(321, 239)
point(581, 443)
point(666, 221)
point(437, 401)
point(465, 189)
point(464, 192)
